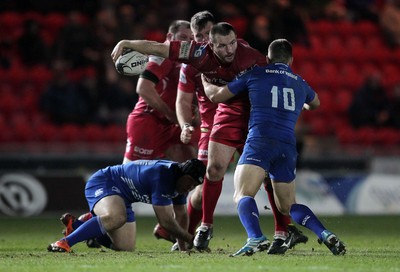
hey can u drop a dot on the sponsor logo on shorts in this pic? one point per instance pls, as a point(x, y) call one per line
point(203, 152)
point(184, 50)
point(253, 159)
point(143, 151)
point(98, 192)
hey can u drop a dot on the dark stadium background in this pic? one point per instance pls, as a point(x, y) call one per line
point(336, 48)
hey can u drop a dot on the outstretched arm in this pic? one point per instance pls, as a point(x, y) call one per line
point(165, 216)
point(216, 93)
point(142, 46)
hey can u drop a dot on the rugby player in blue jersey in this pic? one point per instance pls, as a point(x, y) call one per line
point(277, 97)
point(111, 191)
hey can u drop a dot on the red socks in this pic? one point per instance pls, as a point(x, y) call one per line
point(281, 221)
point(211, 192)
point(194, 217)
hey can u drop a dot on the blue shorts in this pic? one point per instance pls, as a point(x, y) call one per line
point(275, 157)
point(99, 186)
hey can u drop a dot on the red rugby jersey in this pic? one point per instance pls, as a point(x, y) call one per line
point(167, 73)
point(202, 58)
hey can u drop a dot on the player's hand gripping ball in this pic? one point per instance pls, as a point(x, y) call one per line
point(131, 63)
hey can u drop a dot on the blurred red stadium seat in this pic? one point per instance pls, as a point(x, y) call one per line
point(11, 24)
point(328, 73)
point(93, 133)
point(367, 29)
point(51, 25)
point(346, 135)
point(350, 76)
point(327, 102)
point(345, 29)
point(116, 134)
point(40, 75)
point(71, 133)
point(9, 103)
point(387, 137)
point(23, 132)
point(29, 103)
point(354, 43)
point(319, 126)
point(321, 28)
point(47, 132)
point(366, 136)
point(54, 21)
point(343, 98)
point(308, 71)
point(34, 16)
point(7, 132)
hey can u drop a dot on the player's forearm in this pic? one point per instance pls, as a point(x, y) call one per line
point(142, 46)
point(183, 107)
point(315, 103)
point(184, 113)
point(177, 231)
point(215, 93)
point(159, 105)
point(146, 90)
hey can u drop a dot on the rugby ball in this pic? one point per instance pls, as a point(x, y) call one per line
point(131, 63)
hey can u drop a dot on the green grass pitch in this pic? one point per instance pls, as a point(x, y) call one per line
point(373, 244)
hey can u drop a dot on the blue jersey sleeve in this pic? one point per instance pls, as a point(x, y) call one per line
point(310, 93)
point(147, 181)
point(239, 84)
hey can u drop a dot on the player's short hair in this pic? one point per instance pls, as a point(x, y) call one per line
point(222, 28)
point(194, 168)
point(280, 50)
point(200, 20)
point(175, 25)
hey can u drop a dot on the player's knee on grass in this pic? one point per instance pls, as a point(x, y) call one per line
point(123, 245)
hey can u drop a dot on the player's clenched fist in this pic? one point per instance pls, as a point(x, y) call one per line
point(186, 133)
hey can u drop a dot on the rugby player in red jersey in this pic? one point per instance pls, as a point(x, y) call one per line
point(190, 85)
point(152, 126)
point(220, 60)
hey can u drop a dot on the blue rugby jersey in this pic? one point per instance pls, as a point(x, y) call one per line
point(276, 96)
point(147, 181)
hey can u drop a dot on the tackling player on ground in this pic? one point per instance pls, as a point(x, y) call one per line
point(111, 191)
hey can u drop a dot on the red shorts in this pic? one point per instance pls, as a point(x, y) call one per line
point(202, 153)
point(149, 137)
point(230, 130)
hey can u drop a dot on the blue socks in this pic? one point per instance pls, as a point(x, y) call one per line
point(249, 216)
point(305, 217)
point(90, 229)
